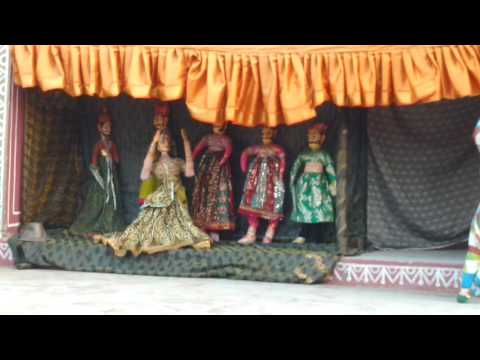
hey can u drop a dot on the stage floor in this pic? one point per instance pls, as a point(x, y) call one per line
point(66, 292)
point(431, 270)
point(454, 257)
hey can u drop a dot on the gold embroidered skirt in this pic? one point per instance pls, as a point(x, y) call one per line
point(163, 224)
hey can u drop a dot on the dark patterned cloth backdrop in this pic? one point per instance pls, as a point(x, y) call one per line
point(423, 174)
point(133, 131)
point(60, 128)
point(52, 166)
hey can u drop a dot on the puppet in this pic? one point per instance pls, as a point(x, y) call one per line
point(164, 222)
point(213, 195)
point(264, 188)
point(102, 210)
point(314, 191)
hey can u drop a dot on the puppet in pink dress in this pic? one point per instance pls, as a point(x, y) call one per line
point(264, 189)
point(212, 203)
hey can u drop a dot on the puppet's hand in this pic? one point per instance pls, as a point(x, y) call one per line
point(106, 153)
point(153, 146)
point(156, 137)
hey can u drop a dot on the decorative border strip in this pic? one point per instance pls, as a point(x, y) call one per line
point(15, 158)
point(4, 87)
point(6, 257)
point(397, 275)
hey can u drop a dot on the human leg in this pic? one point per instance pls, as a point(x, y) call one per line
point(470, 272)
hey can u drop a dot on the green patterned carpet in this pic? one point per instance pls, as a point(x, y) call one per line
point(289, 263)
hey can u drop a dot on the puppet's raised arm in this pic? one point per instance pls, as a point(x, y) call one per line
point(150, 158)
point(189, 167)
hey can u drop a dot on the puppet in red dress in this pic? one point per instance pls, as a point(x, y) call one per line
point(212, 202)
point(264, 189)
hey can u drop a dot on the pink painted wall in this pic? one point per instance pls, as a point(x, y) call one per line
point(13, 195)
point(15, 156)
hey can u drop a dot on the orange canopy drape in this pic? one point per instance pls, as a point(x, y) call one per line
point(255, 85)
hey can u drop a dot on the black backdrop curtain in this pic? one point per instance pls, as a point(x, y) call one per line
point(52, 160)
point(423, 174)
point(133, 131)
point(423, 177)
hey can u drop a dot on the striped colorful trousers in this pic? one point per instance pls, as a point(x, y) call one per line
point(472, 261)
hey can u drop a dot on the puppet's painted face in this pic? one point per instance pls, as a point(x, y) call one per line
point(165, 143)
point(160, 121)
point(316, 137)
point(219, 129)
point(267, 135)
point(105, 129)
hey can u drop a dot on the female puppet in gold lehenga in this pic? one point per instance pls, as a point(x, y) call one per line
point(164, 222)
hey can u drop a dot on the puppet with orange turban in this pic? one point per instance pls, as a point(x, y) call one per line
point(314, 189)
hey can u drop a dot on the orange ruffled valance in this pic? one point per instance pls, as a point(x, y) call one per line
point(255, 85)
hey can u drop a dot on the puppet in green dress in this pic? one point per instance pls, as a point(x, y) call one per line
point(102, 210)
point(314, 189)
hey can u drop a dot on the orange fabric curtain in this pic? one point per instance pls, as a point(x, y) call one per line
point(255, 85)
